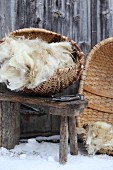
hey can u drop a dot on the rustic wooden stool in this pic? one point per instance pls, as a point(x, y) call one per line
point(10, 120)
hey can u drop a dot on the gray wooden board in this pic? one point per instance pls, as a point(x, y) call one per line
point(10, 124)
point(35, 124)
point(55, 124)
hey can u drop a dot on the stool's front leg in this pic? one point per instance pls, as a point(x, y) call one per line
point(63, 149)
point(73, 136)
point(9, 124)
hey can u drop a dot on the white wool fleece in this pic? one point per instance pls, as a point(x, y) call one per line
point(99, 135)
point(28, 63)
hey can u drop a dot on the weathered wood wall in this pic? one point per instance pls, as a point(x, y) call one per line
point(85, 21)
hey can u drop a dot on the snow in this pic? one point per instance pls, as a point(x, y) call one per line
point(36, 155)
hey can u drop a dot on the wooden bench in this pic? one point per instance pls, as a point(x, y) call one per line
point(10, 120)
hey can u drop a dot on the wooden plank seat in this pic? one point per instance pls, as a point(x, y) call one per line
point(10, 120)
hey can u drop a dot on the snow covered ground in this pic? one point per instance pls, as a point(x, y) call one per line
point(33, 155)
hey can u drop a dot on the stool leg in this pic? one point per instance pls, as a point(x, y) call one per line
point(63, 149)
point(73, 136)
point(9, 124)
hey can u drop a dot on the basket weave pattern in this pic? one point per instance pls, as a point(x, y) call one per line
point(97, 86)
point(62, 78)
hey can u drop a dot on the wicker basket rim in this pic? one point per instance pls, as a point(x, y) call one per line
point(89, 57)
point(97, 46)
point(31, 30)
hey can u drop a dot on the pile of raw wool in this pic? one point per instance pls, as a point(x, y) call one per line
point(99, 135)
point(28, 63)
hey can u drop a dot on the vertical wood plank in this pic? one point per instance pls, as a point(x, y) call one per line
point(6, 124)
point(26, 13)
point(55, 124)
point(5, 17)
point(94, 22)
point(47, 14)
point(85, 26)
point(111, 18)
point(76, 21)
point(54, 15)
point(40, 6)
point(34, 125)
point(13, 14)
point(63, 149)
point(73, 136)
point(16, 119)
point(98, 24)
point(67, 16)
point(105, 16)
point(10, 124)
point(102, 20)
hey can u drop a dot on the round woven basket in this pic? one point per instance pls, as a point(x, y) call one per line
point(62, 78)
point(97, 86)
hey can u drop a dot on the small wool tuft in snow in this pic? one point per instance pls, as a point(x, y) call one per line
point(28, 63)
point(99, 135)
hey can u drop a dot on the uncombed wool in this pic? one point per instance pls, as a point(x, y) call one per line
point(99, 135)
point(28, 63)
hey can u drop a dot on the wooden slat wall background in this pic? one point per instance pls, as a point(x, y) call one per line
point(85, 21)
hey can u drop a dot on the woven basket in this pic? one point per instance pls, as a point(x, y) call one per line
point(97, 86)
point(62, 78)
